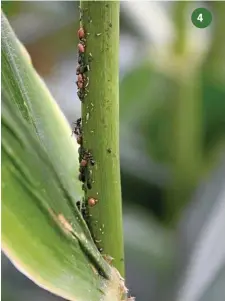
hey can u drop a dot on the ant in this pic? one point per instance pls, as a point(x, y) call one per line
point(85, 157)
point(88, 157)
point(82, 208)
point(77, 129)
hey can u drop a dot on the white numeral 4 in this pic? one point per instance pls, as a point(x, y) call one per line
point(200, 18)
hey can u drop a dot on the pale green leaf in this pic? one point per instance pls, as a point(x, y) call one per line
point(36, 105)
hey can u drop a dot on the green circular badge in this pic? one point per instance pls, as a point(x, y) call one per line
point(201, 17)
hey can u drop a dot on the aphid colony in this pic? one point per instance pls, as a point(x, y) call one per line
point(86, 159)
point(82, 79)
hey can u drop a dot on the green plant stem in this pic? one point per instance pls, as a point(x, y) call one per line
point(179, 13)
point(100, 122)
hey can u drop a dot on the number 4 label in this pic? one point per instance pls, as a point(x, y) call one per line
point(200, 18)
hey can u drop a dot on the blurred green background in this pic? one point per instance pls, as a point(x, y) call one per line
point(172, 139)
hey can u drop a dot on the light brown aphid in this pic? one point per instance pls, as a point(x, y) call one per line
point(80, 85)
point(92, 202)
point(81, 33)
point(80, 48)
point(80, 78)
point(83, 162)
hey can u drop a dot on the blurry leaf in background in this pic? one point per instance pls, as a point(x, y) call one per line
point(202, 247)
point(177, 120)
point(156, 244)
point(133, 91)
point(149, 256)
point(199, 248)
point(214, 112)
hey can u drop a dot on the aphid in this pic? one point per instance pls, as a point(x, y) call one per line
point(84, 213)
point(81, 33)
point(80, 48)
point(80, 59)
point(81, 169)
point(87, 68)
point(80, 150)
point(80, 94)
point(109, 150)
point(80, 85)
point(81, 206)
point(80, 78)
point(79, 139)
point(89, 186)
point(82, 81)
point(83, 162)
point(81, 177)
point(84, 188)
point(92, 202)
point(82, 69)
point(78, 70)
point(78, 204)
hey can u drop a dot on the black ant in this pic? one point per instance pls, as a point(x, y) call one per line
point(88, 156)
point(77, 129)
point(82, 208)
point(85, 157)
